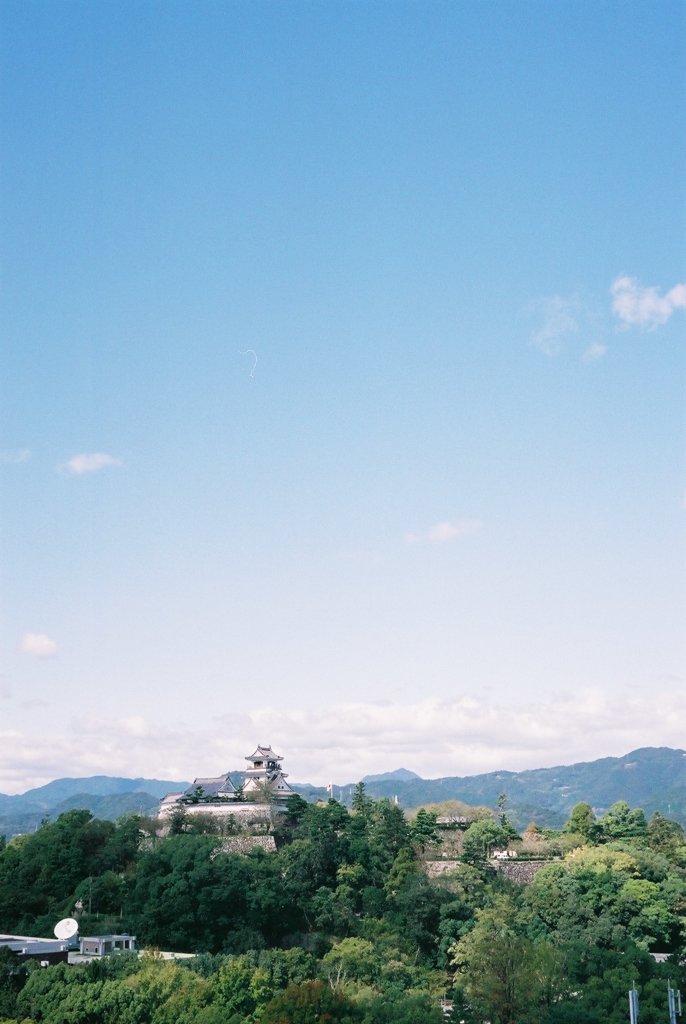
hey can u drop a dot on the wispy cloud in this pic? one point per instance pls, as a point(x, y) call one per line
point(37, 645)
point(560, 318)
point(15, 457)
point(446, 531)
point(644, 307)
point(89, 462)
point(433, 737)
point(570, 321)
point(594, 352)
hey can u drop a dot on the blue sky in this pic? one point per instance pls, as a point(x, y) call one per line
point(343, 379)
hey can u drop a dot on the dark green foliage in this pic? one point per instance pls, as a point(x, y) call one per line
point(599, 980)
point(423, 829)
point(505, 975)
point(39, 874)
point(621, 822)
point(361, 803)
point(343, 924)
point(664, 835)
point(482, 838)
point(13, 975)
point(609, 897)
point(582, 822)
point(310, 1003)
point(184, 897)
point(411, 1009)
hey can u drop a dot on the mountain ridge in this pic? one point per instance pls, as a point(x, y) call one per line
point(650, 777)
point(399, 774)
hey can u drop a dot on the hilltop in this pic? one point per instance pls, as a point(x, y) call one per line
point(653, 778)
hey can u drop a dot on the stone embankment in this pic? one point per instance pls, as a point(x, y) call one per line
point(522, 871)
point(244, 844)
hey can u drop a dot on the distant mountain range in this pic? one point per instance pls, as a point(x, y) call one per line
point(399, 775)
point(653, 778)
point(105, 796)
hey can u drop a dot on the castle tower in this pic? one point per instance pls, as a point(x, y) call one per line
point(265, 773)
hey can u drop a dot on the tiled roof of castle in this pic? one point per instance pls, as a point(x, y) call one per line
point(263, 754)
point(210, 787)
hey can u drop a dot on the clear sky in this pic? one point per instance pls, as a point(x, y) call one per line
point(343, 385)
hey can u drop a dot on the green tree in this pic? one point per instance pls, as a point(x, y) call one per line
point(40, 872)
point(582, 822)
point(608, 897)
point(13, 975)
point(238, 986)
point(286, 967)
point(466, 891)
point(503, 818)
point(423, 829)
point(621, 822)
point(414, 912)
point(312, 1002)
point(503, 973)
point(410, 1008)
point(178, 821)
point(351, 959)
point(666, 836)
point(361, 804)
point(481, 838)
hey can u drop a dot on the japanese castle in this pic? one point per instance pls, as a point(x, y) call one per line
point(263, 782)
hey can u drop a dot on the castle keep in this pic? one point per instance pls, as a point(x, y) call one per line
point(262, 784)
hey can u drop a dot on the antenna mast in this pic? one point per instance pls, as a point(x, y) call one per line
point(674, 1001)
point(633, 1004)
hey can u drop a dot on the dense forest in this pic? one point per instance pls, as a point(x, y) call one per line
point(343, 923)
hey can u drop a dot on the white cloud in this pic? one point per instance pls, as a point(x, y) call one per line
point(446, 531)
point(16, 457)
point(645, 308)
point(594, 352)
point(37, 645)
point(89, 462)
point(433, 737)
point(560, 316)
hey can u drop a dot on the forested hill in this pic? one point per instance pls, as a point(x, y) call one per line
point(347, 920)
point(107, 797)
point(653, 778)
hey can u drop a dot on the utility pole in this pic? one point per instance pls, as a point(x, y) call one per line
point(633, 1004)
point(674, 1002)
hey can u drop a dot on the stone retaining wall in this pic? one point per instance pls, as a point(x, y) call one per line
point(522, 872)
point(244, 844)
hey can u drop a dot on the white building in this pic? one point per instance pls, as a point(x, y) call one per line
point(263, 785)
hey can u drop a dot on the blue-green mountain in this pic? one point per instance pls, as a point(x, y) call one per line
point(653, 778)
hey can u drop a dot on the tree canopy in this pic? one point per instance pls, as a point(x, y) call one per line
point(346, 922)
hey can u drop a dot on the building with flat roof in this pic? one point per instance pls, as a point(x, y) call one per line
point(44, 951)
point(103, 945)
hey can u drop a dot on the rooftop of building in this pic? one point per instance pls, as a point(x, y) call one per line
point(264, 754)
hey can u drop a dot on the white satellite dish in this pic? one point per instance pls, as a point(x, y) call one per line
point(66, 928)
